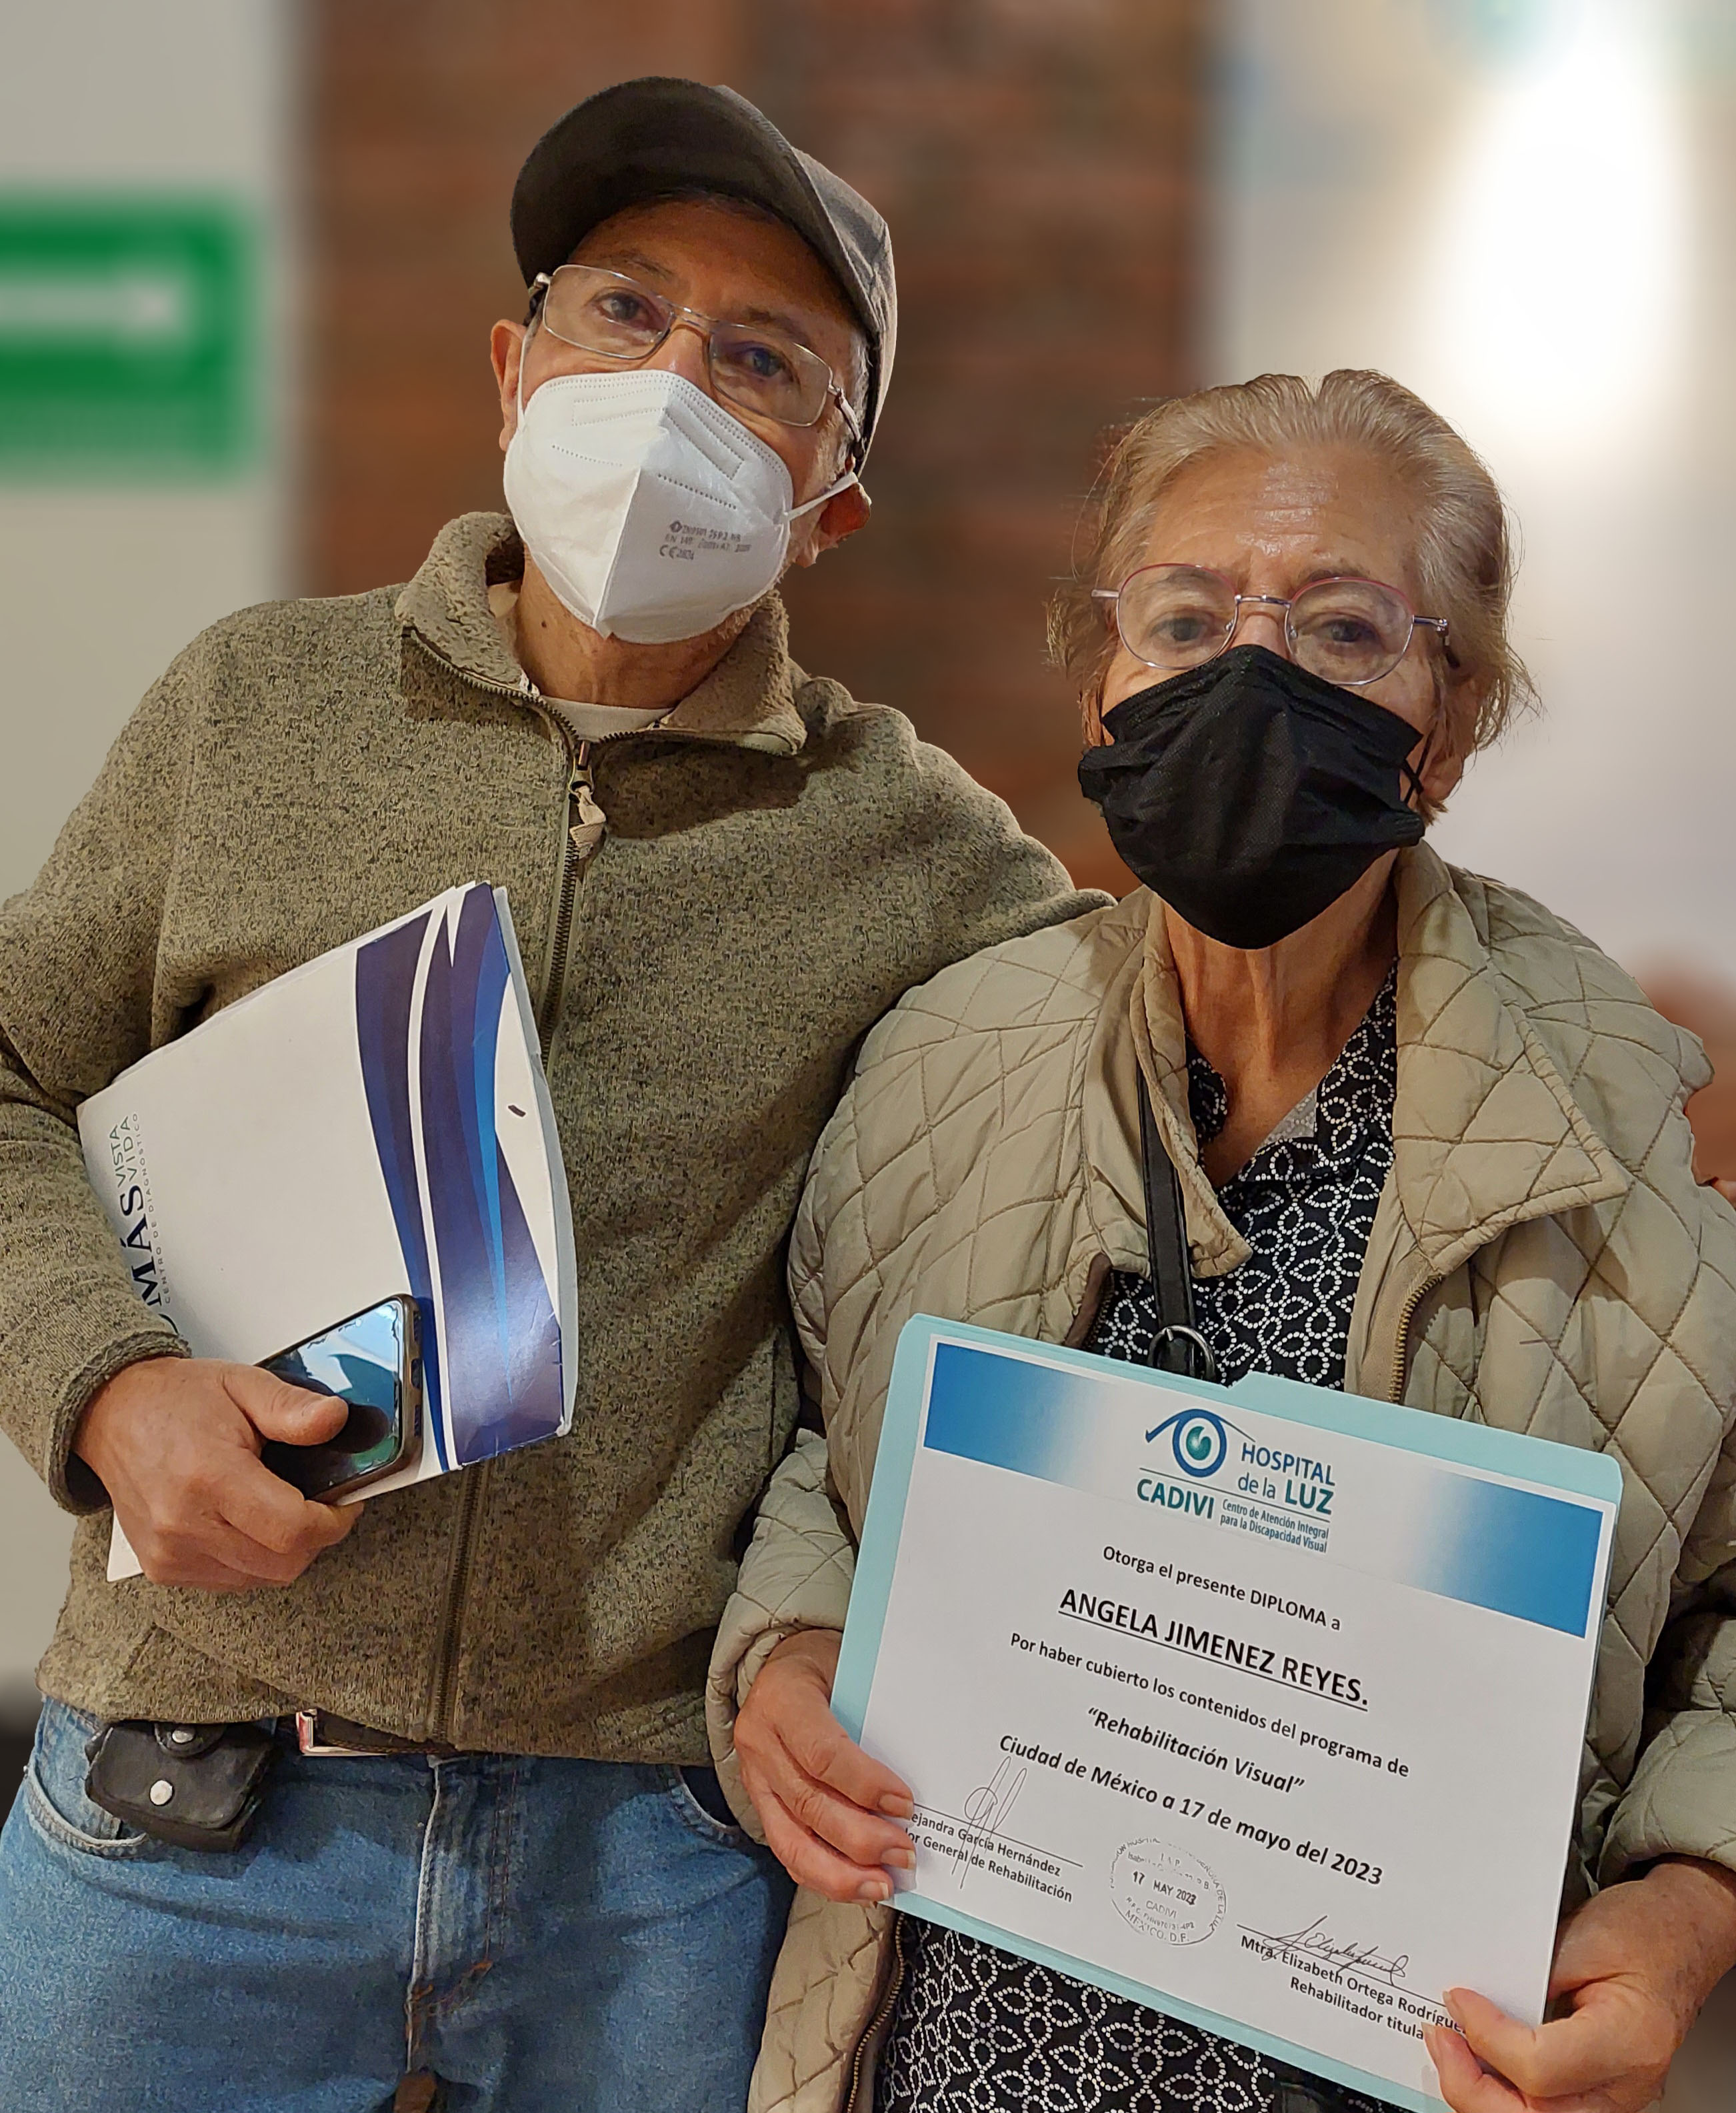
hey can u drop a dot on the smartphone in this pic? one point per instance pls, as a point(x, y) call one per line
point(372, 1361)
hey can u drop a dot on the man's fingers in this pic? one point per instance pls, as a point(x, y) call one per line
point(811, 1863)
point(1591, 2048)
point(176, 1442)
point(1488, 2029)
point(192, 1550)
point(1505, 2045)
point(295, 1415)
point(237, 1515)
point(258, 1559)
point(265, 1510)
point(1463, 2085)
point(176, 1563)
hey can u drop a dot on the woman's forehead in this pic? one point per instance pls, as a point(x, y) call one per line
point(1309, 511)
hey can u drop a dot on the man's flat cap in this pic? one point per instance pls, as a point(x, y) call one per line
point(641, 138)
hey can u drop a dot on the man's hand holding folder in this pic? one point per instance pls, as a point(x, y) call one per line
point(175, 1442)
point(389, 1097)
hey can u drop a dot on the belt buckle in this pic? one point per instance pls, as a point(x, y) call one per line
point(308, 1739)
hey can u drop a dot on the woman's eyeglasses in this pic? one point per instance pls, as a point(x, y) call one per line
point(1345, 631)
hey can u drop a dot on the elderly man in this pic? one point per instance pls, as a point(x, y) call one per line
point(722, 870)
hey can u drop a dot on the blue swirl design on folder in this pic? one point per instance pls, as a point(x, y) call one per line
point(493, 1368)
point(386, 985)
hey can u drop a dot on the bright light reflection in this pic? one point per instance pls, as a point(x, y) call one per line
point(1556, 287)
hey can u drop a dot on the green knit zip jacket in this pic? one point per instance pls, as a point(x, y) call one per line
point(780, 864)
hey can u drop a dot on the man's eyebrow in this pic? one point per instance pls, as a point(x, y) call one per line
point(775, 319)
point(636, 261)
point(624, 260)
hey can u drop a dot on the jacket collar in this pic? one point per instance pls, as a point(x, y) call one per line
point(1486, 1131)
point(749, 700)
point(1160, 1044)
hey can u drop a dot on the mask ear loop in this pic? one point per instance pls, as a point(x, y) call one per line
point(524, 347)
point(851, 475)
point(832, 492)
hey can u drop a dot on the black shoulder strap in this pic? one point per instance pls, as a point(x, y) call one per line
point(1178, 1346)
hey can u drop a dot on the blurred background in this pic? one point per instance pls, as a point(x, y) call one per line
point(245, 302)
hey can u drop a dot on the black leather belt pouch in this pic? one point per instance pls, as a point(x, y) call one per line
point(197, 1786)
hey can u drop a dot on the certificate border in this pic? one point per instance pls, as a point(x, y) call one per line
point(1509, 1454)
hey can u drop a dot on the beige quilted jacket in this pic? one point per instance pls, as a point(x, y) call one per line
point(1542, 1260)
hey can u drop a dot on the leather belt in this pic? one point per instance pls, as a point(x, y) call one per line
point(325, 1737)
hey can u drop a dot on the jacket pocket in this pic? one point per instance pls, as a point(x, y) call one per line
point(54, 1789)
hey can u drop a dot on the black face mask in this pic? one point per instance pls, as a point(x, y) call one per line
point(1249, 794)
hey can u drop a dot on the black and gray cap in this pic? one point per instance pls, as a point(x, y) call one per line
point(660, 134)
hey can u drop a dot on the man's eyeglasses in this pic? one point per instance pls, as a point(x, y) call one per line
point(758, 370)
point(1346, 631)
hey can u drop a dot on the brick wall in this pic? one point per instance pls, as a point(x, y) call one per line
point(1039, 162)
point(420, 112)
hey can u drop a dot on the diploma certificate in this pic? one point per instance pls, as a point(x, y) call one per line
point(1262, 1705)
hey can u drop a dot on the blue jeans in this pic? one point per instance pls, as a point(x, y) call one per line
point(541, 1934)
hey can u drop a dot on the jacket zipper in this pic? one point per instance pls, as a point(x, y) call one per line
point(585, 824)
point(458, 1588)
point(1400, 1352)
point(883, 2011)
point(584, 832)
point(585, 818)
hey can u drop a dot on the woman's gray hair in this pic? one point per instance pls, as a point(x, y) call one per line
point(1464, 555)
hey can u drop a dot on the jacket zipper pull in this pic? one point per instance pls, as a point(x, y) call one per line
point(586, 821)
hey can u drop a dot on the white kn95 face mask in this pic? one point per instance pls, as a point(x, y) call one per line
point(651, 512)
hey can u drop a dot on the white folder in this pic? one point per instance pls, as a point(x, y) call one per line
point(373, 1124)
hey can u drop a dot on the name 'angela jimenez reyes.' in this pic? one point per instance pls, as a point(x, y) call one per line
point(1264, 1662)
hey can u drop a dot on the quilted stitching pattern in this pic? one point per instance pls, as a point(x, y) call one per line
point(1569, 1281)
point(797, 1575)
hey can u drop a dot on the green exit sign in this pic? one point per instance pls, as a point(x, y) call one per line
point(127, 337)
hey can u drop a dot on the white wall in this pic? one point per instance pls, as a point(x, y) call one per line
point(1526, 214)
point(1532, 225)
point(99, 587)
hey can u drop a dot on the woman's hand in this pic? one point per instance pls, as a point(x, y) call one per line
point(829, 1811)
point(1634, 1965)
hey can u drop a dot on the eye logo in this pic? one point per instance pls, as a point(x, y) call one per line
point(1198, 1439)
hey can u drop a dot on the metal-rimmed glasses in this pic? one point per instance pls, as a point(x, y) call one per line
point(1350, 631)
point(757, 368)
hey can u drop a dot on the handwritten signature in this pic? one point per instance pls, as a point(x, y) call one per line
point(989, 1807)
point(1316, 1943)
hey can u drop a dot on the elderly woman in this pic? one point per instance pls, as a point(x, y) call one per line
point(1431, 1148)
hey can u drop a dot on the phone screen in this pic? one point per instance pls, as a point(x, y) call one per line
point(370, 1360)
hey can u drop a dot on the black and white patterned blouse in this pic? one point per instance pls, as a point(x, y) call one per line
point(975, 2029)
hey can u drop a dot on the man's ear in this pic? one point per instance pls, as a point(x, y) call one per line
point(506, 345)
point(842, 516)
